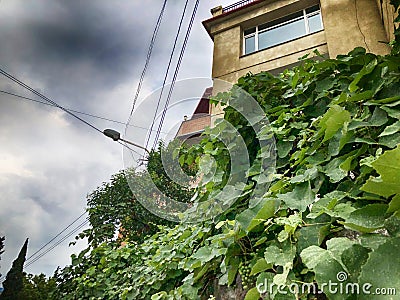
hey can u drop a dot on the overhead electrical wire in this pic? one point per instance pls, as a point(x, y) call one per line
point(73, 110)
point(69, 111)
point(167, 71)
point(56, 236)
point(182, 52)
point(37, 255)
point(71, 233)
point(24, 85)
point(149, 53)
point(32, 259)
point(9, 76)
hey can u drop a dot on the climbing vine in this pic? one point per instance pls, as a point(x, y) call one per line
point(329, 214)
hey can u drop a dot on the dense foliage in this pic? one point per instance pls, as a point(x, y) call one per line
point(330, 213)
point(112, 206)
point(13, 284)
point(333, 205)
point(113, 209)
point(37, 287)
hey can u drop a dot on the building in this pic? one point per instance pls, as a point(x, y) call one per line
point(271, 35)
point(191, 128)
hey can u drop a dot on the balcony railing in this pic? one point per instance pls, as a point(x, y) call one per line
point(237, 5)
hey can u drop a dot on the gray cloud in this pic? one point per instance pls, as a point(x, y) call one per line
point(86, 55)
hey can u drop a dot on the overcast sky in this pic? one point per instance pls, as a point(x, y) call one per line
point(87, 56)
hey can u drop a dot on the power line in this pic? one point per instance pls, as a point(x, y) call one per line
point(19, 82)
point(176, 72)
point(73, 110)
point(149, 53)
point(167, 71)
point(31, 259)
point(61, 232)
point(72, 232)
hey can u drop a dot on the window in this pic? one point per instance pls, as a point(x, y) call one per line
point(282, 30)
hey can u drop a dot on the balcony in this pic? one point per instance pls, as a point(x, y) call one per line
point(192, 128)
point(237, 5)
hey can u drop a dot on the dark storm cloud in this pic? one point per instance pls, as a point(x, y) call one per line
point(86, 55)
point(79, 47)
point(85, 37)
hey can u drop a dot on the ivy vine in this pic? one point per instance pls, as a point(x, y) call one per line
point(331, 208)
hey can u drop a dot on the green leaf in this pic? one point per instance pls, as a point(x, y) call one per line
point(324, 265)
point(308, 236)
point(368, 218)
point(252, 294)
point(394, 205)
point(342, 257)
point(233, 269)
point(394, 128)
point(364, 71)
point(372, 241)
point(326, 204)
point(382, 269)
point(207, 253)
point(283, 148)
point(260, 266)
point(280, 256)
point(394, 113)
point(390, 141)
point(379, 117)
point(333, 120)
point(388, 166)
point(353, 258)
point(361, 96)
point(254, 216)
point(301, 196)
point(309, 174)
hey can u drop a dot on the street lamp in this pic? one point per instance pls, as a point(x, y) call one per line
point(116, 136)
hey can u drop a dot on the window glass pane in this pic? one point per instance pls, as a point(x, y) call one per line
point(249, 31)
point(315, 23)
point(312, 9)
point(249, 45)
point(281, 34)
point(281, 20)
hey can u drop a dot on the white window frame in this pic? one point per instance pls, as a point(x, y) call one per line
point(304, 16)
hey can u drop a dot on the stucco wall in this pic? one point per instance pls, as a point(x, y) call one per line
point(230, 64)
point(268, 59)
point(353, 23)
point(347, 24)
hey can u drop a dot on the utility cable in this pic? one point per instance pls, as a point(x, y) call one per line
point(176, 72)
point(31, 259)
point(149, 53)
point(72, 232)
point(73, 110)
point(167, 71)
point(46, 99)
point(19, 82)
point(61, 232)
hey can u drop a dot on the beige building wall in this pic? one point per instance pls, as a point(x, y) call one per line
point(353, 23)
point(230, 64)
point(347, 24)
